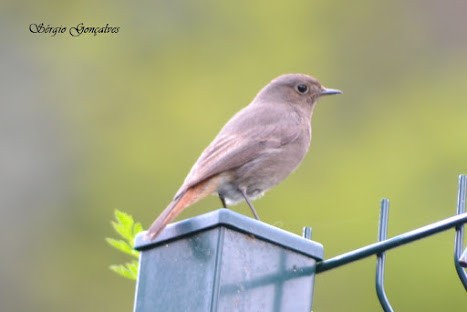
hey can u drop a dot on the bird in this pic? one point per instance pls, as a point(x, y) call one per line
point(256, 149)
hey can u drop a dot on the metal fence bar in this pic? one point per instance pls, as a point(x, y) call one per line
point(396, 241)
point(381, 257)
point(459, 238)
point(463, 259)
point(306, 233)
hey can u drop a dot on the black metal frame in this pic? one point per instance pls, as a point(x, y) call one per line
point(383, 244)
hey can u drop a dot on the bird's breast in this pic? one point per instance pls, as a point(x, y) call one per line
point(267, 170)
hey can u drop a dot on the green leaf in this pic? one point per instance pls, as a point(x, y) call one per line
point(124, 271)
point(137, 228)
point(122, 246)
point(126, 228)
point(133, 267)
point(124, 225)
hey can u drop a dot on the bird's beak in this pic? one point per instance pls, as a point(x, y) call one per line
point(325, 91)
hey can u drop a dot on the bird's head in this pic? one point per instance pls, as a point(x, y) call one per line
point(295, 89)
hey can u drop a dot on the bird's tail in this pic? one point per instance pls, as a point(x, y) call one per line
point(180, 202)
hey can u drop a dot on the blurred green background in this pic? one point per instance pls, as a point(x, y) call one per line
point(115, 121)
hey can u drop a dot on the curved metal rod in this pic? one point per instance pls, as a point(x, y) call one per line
point(380, 261)
point(463, 259)
point(459, 238)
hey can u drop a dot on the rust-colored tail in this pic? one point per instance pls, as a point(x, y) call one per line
point(180, 202)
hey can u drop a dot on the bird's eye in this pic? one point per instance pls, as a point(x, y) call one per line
point(302, 88)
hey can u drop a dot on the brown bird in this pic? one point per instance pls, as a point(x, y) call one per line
point(257, 149)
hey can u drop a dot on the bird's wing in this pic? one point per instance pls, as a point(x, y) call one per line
point(239, 144)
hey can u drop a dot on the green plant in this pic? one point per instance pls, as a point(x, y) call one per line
point(127, 229)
